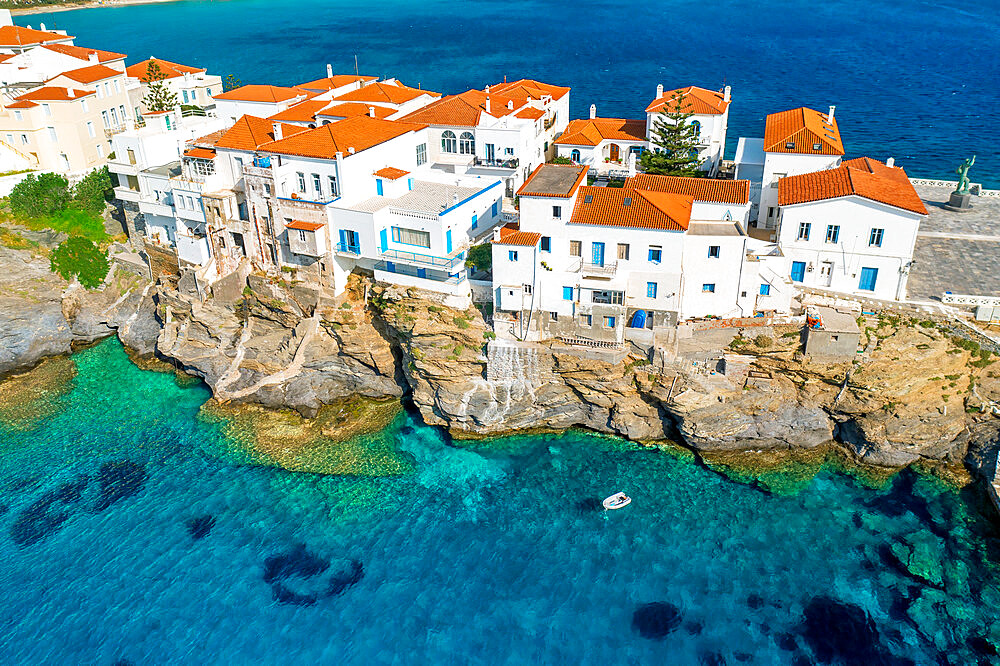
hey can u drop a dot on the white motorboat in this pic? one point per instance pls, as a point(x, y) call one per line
point(617, 501)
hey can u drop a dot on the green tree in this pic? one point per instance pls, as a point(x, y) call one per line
point(481, 256)
point(93, 191)
point(560, 160)
point(675, 141)
point(38, 196)
point(158, 96)
point(231, 83)
point(80, 257)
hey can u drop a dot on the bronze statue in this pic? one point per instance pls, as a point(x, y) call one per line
point(963, 176)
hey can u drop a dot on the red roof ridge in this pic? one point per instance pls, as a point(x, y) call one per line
point(862, 177)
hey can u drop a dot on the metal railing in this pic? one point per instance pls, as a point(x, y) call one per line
point(402, 270)
point(349, 249)
point(264, 172)
point(413, 214)
point(608, 269)
point(424, 259)
point(508, 163)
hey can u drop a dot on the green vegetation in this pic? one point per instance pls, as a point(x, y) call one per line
point(231, 83)
point(15, 241)
point(461, 322)
point(78, 256)
point(480, 256)
point(560, 160)
point(763, 341)
point(675, 142)
point(92, 193)
point(158, 97)
point(38, 196)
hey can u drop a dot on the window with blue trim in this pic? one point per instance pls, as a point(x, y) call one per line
point(496, 205)
point(765, 289)
point(655, 254)
point(475, 221)
point(512, 255)
point(708, 287)
point(650, 290)
point(567, 293)
point(609, 322)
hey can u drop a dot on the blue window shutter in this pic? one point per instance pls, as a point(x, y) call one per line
point(390, 266)
point(765, 290)
point(378, 186)
point(383, 241)
point(567, 293)
point(475, 221)
point(798, 271)
point(447, 238)
point(868, 278)
point(343, 237)
point(409, 183)
point(495, 208)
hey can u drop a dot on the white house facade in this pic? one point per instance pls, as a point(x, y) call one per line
point(709, 111)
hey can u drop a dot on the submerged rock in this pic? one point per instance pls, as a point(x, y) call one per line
point(48, 513)
point(296, 562)
point(119, 480)
point(842, 633)
point(199, 527)
point(656, 620)
point(299, 564)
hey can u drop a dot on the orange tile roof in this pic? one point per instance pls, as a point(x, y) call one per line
point(303, 112)
point(591, 132)
point(261, 93)
point(15, 35)
point(358, 133)
point(171, 69)
point(510, 234)
point(693, 100)
point(335, 81)
point(799, 131)
point(635, 209)
point(200, 153)
point(530, 113)
point(304, 226)
point(22, 104)
point(209, 140)
point(4, 57)
point(390, 173)
point(351, 109)
point(251, 132)
point(54, 94)
point(462, 110)
point(385, 93)
point(702, 189)
point(83, 53)
point(525, 89)
point(90, 74)
point(862, 177)
point(553, 180)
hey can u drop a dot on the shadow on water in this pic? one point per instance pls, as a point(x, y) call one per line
point(289, 575)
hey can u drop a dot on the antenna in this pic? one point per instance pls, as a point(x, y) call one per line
point(356, 74)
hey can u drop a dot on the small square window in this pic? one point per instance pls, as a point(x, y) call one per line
point(790, 145)
point(655, 254)
point(557, 212)
point(650, 290)
point(708, 287)
point(765, 289)
point(553, 316)
point(817, 146)
point(512, 255)
point(588, 198)
point(575, 248)
point(713, 251)
point(567, 293)
point(585, 320)
point(546, 244)
point(609, 322)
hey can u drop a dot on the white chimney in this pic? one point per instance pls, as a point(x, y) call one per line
point(276, 128)
point(488, 107)
point(829, 118)
point(329, 71)
point(593, 111)
point(659, 90)
point(350, 150)
point(454, 199)
point(890, 162)
point(92, 58)
point(41, 26)
point(371, 111)
point(510, 104)
point(727, 93)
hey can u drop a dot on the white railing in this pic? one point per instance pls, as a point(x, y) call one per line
point(414, 214)
point(507, 218)
point(968, 299)
point(608, 269)
point(974, 188)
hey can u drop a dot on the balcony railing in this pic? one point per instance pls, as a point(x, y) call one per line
point(601, 270)
point(508, 163)
point(349, 249)
point(263, 172)
point(417, 273)
point(424, 259)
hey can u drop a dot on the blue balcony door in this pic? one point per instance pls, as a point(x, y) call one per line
point(343, 239)
point(447, 239)
point(868, 278)
point(383, 240)
point(798, 271)
point(598, 254)
point(421, 272)
point(378, 186)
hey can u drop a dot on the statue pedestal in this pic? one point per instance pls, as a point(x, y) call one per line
point(959, 202)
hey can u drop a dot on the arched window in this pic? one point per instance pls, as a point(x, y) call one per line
point(448, 143)
point(466, 143)
point(697, 127)
point(575, 155)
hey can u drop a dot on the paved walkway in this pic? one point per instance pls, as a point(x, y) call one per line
point(956, 252)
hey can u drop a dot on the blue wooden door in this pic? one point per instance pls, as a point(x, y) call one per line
point(868, 278)
point(383, 241)
point(378, 186)
point(639, 319)
point(598, 254)
point(447, 239)
point(343, 239)
point(798, 271)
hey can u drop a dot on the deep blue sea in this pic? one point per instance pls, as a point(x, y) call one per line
point(912, 79)
point(133, 530)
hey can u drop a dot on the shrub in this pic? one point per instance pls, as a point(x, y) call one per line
point(93, 191)
point(38, 196)
point(481, 256)
point(968, 345)
point(461, 322)
point(72, 222)
point(78, 256)
point(561, 160)
point(762, 341)
point(489, 335)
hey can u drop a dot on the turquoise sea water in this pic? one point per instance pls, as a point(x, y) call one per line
point(912, 79)
point(124, 535)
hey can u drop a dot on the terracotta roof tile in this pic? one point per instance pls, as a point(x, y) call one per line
point(15, 35)
point(54, 94)
point(390, 173)
point(200, 153)
point(262, 93)
point(335, 81)
point(351, 109)
point(635, 209)
point(802, 131)
point(304, 226)
point(510, 234)
point(358, 133)
point(384, 93)
point(693, 100)
point(22, 104)
point(862, 177)
point(702, 189)
point(463, 110)
point(90, 74)
point(171, 69)
point(553, 180)
point(83, 53)
point(591, 132)
point(525, 89)
point(530, 113)
point(251, 132)
point(303, 112)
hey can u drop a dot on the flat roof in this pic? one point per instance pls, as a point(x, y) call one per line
point(837, 321)
point(714, 229)
point(169, 170)
point(749, 151)
point(425, 197)
point(553, 180)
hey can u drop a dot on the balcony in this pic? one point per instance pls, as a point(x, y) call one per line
point(436, 276)
point(346, 248)
point(257, 171)
point(443, 263)
point(127, 194)
point(508, 163)
point(606, 270)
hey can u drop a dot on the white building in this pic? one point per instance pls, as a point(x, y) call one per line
point(194, 86)
point(603, 144)
point(603, 263)
point(259, 101)
point(850, 229)
point(504, 130)
point(710, 114)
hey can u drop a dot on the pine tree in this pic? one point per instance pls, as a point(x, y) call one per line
point(158, 96)
point(675, 141)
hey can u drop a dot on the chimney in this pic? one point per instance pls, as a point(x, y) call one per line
point(41, 26)
point(488, 106)
point(593, 111)
point(890, 162)
point(276, 128)
point(659, 91)
point(329, 71)
point(371, 111)
point(454, 199)
point(510, 104)
point(829, 117)
point(727, 93)
point(350, 150)
point(92, 58)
